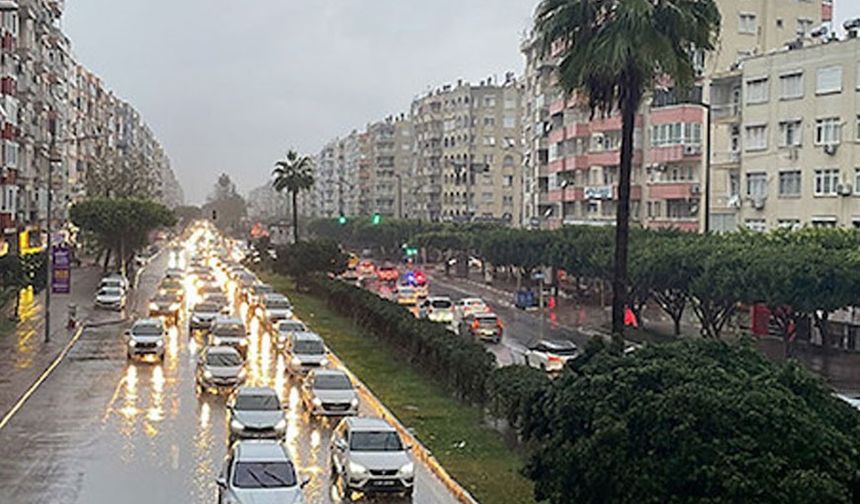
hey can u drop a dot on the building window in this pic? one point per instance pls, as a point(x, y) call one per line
point(758, 225)
point(856, 180)
point(756, 137)
point(857, 129)
point(747, 23)
point(804, 26)
point(823, 222)
point(510, 122)
point(828, 131)
point(790, 133)
point(789, 183)
point(756, 184)
point(792, 224)
point(734, 183)
point(489, 121)
point(489, 101)
point(826, 182)
point(791, 86)
point(757, 91)
point(508, 181)
point(829, 80)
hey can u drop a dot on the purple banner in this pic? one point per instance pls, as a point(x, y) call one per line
point(61, 270)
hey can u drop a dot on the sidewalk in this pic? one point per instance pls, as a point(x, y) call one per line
point(24, 355)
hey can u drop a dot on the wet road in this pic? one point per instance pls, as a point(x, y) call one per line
point(103, 430)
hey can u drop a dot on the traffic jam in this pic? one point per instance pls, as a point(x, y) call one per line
point(274, 375)
point(470, 317)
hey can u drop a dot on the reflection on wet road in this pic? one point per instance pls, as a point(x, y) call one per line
point(103, 430)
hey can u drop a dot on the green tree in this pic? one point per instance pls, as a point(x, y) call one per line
point(695, 421)
point(613, 52)
point(301, 259)
point(717, 282)
point(225, 205)
point(294, 174)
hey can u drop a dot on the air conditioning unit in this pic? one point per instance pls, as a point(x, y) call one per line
point(844, 189)
point(758, 202)
point(831, 149)
point(695, 189)
point(692, 150)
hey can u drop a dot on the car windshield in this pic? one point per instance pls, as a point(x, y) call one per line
point(263, 289)
point(223, 360)
point(486, 321)
point(110, 291)
point(375, 441)
point(564, 352)
point(332, 382)
point(406, 291)
point(309, 347)
point(234, 330)
point(164, 298)
point(291, 326)
point(278, 304)
point(257, 402)
point(206, 307)
point(441, 303)
point(264, 475)
point(146, 330)
point(218, 299)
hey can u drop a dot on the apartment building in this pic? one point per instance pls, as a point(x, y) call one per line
point(467, 152)
point(389, 166)
point(571, 158)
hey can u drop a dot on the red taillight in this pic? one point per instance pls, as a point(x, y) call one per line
point(499, 324)
point(475, 324)
point(553, 358)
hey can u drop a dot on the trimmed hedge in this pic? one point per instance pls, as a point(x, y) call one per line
point(463, 366)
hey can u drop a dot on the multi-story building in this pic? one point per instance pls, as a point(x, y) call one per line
point(467, 156)
point(571, 158)
point(390, 166)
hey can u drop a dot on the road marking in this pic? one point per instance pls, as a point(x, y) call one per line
point(44, 376)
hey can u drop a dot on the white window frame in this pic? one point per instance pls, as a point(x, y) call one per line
point(757, 225)
point(796, 180)
point(749, 145)
point(825, 79)
point(756, 180)
point(758, 97)
point(784, 126)
point(783, 79)
point(747, 23)
point(828, 131)
point(857, 181)
point(824, 181)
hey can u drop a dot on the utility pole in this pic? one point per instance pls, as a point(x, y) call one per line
point(53, 156)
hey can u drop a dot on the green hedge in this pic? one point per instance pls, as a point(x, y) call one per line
point(462, 365)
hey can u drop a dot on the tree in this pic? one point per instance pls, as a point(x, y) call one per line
point(613, 52)
point(301, 259)
point(717, 282)
point(224, 204)
point(294, 174)
point(694, 421)
point(116, 174)
point(189, 213)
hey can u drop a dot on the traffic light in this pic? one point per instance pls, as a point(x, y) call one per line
point(341, 220)
point(376, 219)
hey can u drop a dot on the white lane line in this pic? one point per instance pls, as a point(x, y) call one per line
point(44, 376)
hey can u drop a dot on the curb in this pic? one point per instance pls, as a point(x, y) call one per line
point(104, 323)
point(418, 449)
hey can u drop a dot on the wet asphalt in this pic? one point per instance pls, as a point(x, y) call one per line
point(103, 430)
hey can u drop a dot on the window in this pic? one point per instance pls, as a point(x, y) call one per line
point(747, 23)
point(758, 225)
point(856, 180)
point(508, 181)
point(756, 184)
point(10, 155)
point(489, 101)
point(789, 183)
point(491, 141)
point(804, 26)
point(823, 222)
point(829, 80)
point(789, 133)
point(510, 122)
point(828, 131)
point(489, 121)
point(757, 91)
point(734, 183)
point(791, 86)
point(793, 224)
point(756, 137)
point(857, 129)
point(826, 181)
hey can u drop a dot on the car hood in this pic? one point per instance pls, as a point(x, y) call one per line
point(205, 314)
point(283, 312)
point(310, 358)
point(258, 419)
point(335, 396)
point(223, 371)
point(380, 460)
point(146, 339)
point(107, 297)
point(164, 304)
point(291, 495)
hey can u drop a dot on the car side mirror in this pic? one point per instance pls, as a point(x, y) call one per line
point(340, 444)
point(408, 447)
point(221, 481)
point(305, 482)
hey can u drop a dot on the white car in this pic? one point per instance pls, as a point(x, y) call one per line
point(852, 399)
point(114, 280)
point(306, 351)
point(368, 455)
point(285, 329)
point(203, 314)
point(467, 306)
point(146, 337)
point(329, 392)
point(276, 307)
point(256, 412)
point(437, 309)
point(551, 355)
point(111, 298)
point(259, 472)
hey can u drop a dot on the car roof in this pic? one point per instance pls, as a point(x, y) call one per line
point(229, 320)
point(292, 321)
point(369, 424)
point(471, 300)
point(147, 322)
point(273, 295)
point(308, 336)
point(255, 391)
point(329, 372)
point(218, 349)
point(484, 314)
point(261, 450)
point(439, 298)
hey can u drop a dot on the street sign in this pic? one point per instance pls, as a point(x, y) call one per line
point(61, 270)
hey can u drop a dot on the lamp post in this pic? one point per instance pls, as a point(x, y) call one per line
point(707, 188)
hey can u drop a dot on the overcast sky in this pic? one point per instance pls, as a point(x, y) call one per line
point(230, 85)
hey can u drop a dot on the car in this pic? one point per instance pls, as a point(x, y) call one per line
point(220, 366)
point(166, 305)
point(551, 355)
point(145, 338)
point(406, 295)
point(306, 351)
point(367, 455)
point(276, 307)
point(366, 269)
point(329, 392)
point(467, 306)
point(387, 273)
point(203, 314)
point(256, 292)
point(221, 300)
point(285, 329)
point(229, 331)
point(484, 326)
point(437, 309)
point(852, 399)
point(173, 286)
point(114, 280)
point(209, 289)
point(259, 472)
point(174, 272)
point(256, 413)
point(111, 298)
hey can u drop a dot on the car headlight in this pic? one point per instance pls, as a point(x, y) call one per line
point(207, 374)
point(296, 361)
point(174, 307)
point(243, 342)
point(242, 374)
point(356, 468)
point(159, 343)
point(216, 341)
point(408, 469)
point(282, 337)
point(281, 425)
point(131, 343)
point(354, 402)
point(324, 362)
point(236, 425)
point(317, 402)
point(153, 306)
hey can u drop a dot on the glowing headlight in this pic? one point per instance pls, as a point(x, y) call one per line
point(132, 343)
point(324, 362)
point(159, 343)
point(356, 468)
point(207, 374)
point(236, 425)
point(408, 469)
point(354, 402)
point(282, 338)
point(242, 373)
point(281, 425)
point(317, 402)
point(216, 340)
point(296, 362)
point(153, 306)
point(243, 342)
point(174, 307)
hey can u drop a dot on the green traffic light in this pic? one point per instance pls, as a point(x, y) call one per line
point(376, 219)
point(341, 220)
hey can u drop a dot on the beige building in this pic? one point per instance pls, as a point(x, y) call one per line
point(389, 166)
point(468, 155)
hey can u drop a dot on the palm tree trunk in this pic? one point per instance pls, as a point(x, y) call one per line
point(295, 217)
point(629, 104)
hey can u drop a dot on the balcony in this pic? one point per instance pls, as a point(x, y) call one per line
point(557, 135)
point(683, 224)
point(557, 166)
point(726, 158)
point(674, 154)
point(577, 130)
point(564, 195)
point(674, 190)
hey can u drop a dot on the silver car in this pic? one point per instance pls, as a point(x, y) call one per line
point(259, 472)
point(305, 351)
point(202, 315)
point(256, 412)
point(110, 298)
point(276, 307)
point(229, 331)
point(329, 392)
point(368, 456)
point(146, 337)
point(220, 366)
point(285, 329)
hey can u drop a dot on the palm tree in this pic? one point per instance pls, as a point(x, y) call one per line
point(294, 173)
point(613, 53)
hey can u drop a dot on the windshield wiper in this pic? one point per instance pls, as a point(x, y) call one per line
point(275, 477)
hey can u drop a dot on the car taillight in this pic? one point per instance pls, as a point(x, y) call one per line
point(499, 324)
point(475, 325)
point(554, 358)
